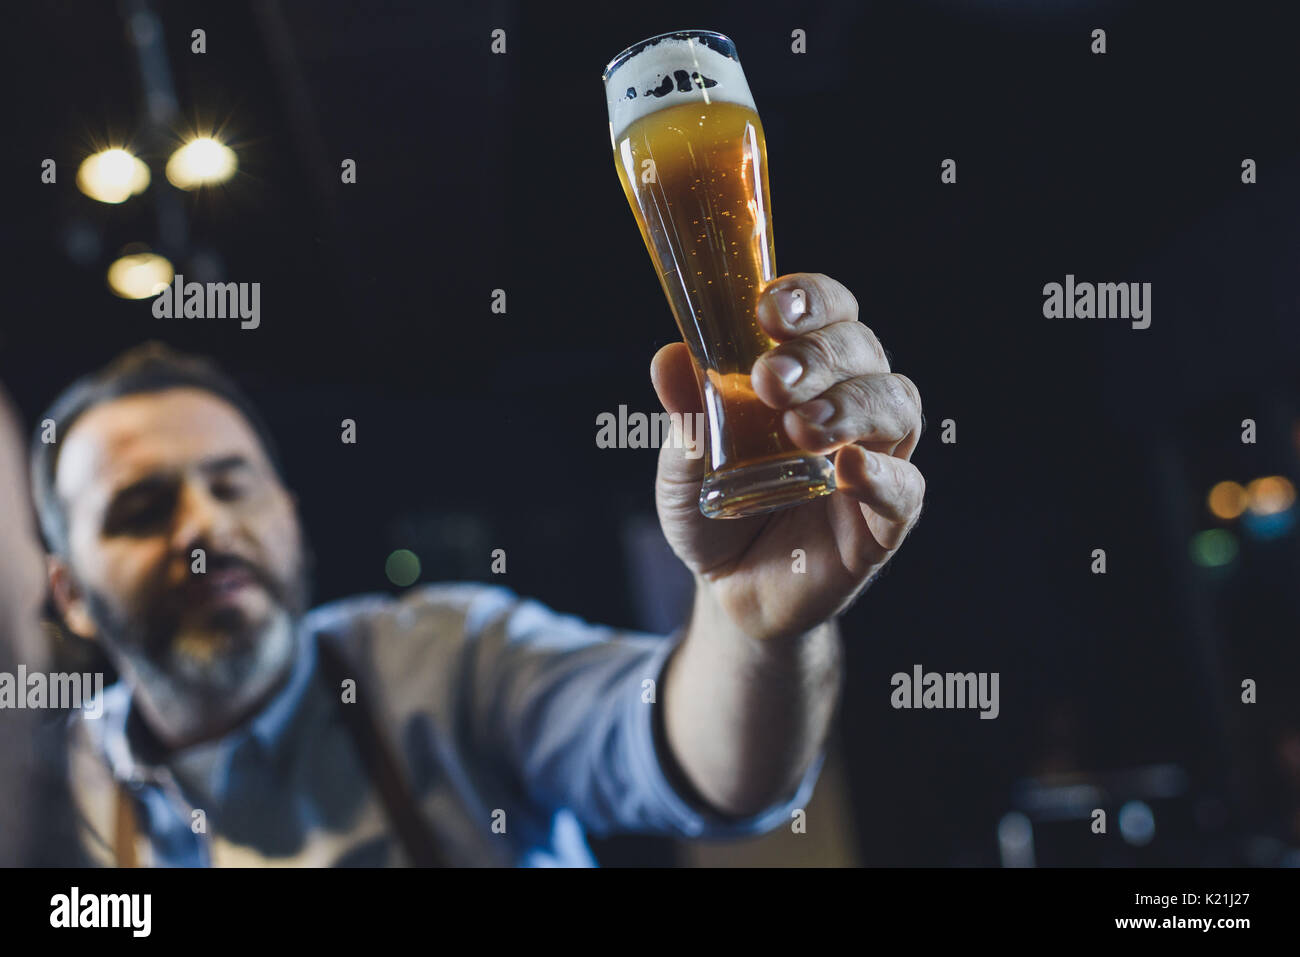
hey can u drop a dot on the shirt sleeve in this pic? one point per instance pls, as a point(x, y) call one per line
point(572, 705)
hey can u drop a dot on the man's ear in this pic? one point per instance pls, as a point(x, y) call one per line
point(68, 599)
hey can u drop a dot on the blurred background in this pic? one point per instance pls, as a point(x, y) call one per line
point(478, 171)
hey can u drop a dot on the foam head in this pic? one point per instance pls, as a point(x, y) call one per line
point(671, 69)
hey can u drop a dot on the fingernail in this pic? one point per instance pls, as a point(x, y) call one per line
point(791, 303)
point(787, 369)
point(870, 463)
point(817, 411)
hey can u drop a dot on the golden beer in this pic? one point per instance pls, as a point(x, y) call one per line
point(692, 159)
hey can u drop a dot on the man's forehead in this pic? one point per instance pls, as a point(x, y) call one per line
point(144, 432)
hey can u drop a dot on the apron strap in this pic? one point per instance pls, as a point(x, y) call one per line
point(372, 746)
point(124, 829)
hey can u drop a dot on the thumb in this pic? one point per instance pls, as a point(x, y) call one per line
point(699, 542)
point(673, 373)
point(681, 458)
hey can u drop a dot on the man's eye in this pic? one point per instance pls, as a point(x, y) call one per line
point(141, 516)
point(229, 491)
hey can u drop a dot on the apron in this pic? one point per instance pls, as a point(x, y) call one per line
point(405, 820)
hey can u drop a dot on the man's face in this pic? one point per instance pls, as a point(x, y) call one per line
point(147, 479)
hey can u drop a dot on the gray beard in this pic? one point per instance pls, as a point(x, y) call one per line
point(191, 685)
point(206, 677)
point(204, 682)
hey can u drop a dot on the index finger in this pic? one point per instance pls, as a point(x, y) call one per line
point(800, 302)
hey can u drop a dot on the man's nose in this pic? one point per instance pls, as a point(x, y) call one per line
point(201, 519)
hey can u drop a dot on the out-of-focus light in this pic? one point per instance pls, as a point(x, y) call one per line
point(1137, 825)
point(201, 162)
point(1016, 840)
point(402, 567)
point(112, 176)
point(1214, 547)
point(1228, 500)
point(1270, 495)
point(1269, 527)
point(140, 275)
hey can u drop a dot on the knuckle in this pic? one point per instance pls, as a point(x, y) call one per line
point(862, 344)
point(896, 393)
point(874, 399)
point(893, 401)
point(915, 411)
point(913, 391)
point(850, 302)
point(876, 347)
point(860, 395)
point(817, 351)
point(918, 493)
point(902, 486)
point(836, 294)
point(845, 344)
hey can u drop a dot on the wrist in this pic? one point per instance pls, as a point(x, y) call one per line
point(710, 620)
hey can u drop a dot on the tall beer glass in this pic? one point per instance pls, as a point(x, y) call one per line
point(692, 158)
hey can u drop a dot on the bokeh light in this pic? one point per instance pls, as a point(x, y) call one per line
point(402, 567)
point(1270, 495)
point(1228, 500)
point(112, 176)
point(201, 162)
point(1269, 527)
point(140, 275)
point(1214, 547)
point(1137, 823)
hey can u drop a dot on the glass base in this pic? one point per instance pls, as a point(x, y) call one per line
point(767, 487)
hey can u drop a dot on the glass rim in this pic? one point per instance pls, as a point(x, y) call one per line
point(635, 48)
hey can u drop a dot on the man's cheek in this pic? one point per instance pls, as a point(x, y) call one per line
point(134, 577)
point(282, 543)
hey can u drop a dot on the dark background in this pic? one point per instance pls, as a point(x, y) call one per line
point(476, 430)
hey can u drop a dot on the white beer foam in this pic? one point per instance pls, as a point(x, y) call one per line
point(652, 69)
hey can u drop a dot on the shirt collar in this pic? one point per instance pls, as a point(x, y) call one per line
point(268, 727)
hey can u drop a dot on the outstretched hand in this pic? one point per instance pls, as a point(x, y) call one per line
point(830, 375)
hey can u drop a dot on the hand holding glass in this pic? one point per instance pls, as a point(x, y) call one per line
point(692, 159)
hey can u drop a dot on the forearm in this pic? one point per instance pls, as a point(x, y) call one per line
point(744, 718)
